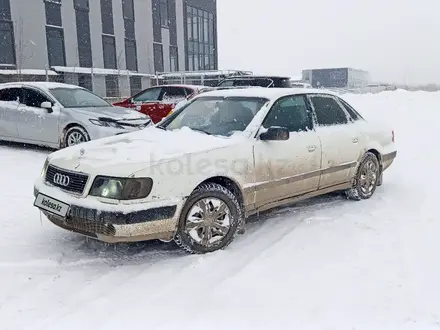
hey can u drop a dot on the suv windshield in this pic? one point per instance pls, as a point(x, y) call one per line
point(216, 115)
point(261, 82)
point(78, 98)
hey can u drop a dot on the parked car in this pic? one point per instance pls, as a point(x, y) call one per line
point(224, 156)
point(60, 115)
point(255, 81)
point(159, 101)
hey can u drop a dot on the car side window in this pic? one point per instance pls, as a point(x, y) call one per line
point(290, 112)
point(173, 93)
point(327, 110)
point(149, 95)
point(33, 98)
point(351, 111)
point(10, 95)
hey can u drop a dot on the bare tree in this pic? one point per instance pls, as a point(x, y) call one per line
point(23, 48)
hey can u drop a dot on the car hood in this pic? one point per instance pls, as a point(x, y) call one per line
point(125, 154)
point(117, 113)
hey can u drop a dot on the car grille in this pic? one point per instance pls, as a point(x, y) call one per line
point(81, 226)
point(70, 181)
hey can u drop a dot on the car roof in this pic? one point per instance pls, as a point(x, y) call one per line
point(255, 77)
point(182, 85)
point(268, 93)
point(40, 84)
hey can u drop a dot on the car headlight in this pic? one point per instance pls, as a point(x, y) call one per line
point(121, 188)
point(105, 123)
point(44, 169)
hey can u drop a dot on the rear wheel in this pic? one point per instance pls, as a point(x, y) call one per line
point(75, 135)
point(209, 219)
point(366, 178)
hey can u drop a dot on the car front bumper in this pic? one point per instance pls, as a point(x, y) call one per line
point(154, 221)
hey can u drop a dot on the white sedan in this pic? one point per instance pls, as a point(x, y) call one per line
point(224, 156)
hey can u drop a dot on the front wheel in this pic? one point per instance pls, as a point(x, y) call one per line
point(366, 178)
point(75, 135)
point(209, 220)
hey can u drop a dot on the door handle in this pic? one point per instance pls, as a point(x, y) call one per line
point(311, 148)
point(355, 139)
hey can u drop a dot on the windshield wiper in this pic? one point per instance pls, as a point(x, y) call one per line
point(200, 130)
point(161, 127)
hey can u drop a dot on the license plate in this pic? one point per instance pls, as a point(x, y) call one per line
point(51, 205)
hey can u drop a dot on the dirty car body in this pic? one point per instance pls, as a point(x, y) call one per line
point(225, 155)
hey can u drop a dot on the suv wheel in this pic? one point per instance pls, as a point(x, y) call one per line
point(366, 178)
point(209, 220)
point(76, 135)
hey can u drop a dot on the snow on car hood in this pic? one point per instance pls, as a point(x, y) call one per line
point(111, 112)
point(128, 153)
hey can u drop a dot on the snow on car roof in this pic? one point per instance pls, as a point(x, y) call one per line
point(40, 84)
point(269, 93)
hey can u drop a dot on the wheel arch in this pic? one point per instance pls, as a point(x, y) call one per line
point(229, 184)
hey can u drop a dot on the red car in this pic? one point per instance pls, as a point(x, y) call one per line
point(159, 101)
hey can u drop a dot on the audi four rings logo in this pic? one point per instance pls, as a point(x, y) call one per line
point(61, 179)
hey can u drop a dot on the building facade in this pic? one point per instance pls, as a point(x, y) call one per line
point(112, 47)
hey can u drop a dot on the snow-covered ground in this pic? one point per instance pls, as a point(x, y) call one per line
point(325, 264)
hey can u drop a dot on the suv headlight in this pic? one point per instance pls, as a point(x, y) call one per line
point(121, 188)
point(105, 123)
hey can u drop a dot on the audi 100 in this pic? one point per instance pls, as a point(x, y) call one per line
point(196, 177)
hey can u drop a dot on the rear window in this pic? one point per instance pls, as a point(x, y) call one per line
point(261, 82)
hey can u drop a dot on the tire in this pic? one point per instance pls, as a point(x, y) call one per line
point(369, 167)
point(75, 133)
point(190, 234)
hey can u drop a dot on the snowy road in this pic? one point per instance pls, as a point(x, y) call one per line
point(326, 264)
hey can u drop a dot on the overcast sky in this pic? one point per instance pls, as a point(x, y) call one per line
point(396, 41)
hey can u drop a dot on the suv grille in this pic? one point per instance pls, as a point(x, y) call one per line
point(71, 181)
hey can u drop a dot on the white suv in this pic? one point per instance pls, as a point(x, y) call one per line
point(227, 154)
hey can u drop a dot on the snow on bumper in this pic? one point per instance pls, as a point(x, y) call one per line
point(107, 222)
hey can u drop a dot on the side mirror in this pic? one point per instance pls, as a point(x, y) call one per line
point(275, 133)
point(47, 106)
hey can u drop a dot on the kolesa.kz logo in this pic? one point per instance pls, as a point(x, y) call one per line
point(53, 206)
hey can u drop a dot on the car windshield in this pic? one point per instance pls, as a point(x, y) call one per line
point(216, 115)
point(78, 98)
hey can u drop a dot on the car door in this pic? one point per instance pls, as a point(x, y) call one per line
point(340, 140)
point(292, 167)
point(148, 101)
point(9, 102)
point(35, 123)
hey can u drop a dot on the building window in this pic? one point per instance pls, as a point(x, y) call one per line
point(83, 33)
point(129, 29)
point(53, 13)
point(81, 4)
point(158, 57)
point(109, 48)
point(131, 55)
point(107, 17)
point(200, 25)
point(85, 81)
point(128, 9)
point(5, 10)
point(130, 35)
point(135, 85)
point(164, 13)
point(112, 86)
point(7, 45)
point(174, 59)
point(55, 46)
